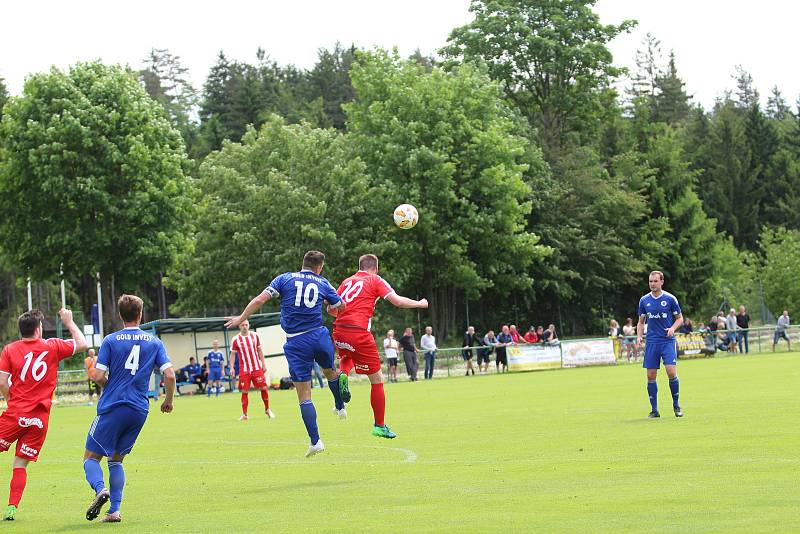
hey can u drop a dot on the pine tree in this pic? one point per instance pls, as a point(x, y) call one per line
point(671, 100)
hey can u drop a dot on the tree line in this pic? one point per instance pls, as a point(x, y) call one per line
point(546, 192)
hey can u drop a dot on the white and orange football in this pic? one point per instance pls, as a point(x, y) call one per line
point(406, 216)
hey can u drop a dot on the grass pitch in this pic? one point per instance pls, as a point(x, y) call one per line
point(559, 451)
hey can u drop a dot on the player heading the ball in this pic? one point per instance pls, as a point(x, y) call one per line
point(352, 336)
point(302, 295)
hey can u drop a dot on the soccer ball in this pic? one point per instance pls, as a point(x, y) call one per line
point(405, 216)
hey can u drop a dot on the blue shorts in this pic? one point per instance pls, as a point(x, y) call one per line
point(655, 351)
point(115, 431)
point(303, 350)
point(779, 335)
point(214, 373)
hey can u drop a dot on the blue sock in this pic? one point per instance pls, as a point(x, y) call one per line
point(116, 481)
point(674, 384)
point(94, 474)
point(209, 387)
point(309, 414)
point(652, 392)
point(216, 389)
point(333, 385)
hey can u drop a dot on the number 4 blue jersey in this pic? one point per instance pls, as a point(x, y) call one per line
point(129, 356)
point(302, 295)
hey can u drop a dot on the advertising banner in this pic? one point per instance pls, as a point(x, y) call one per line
point(587, 352)
point(533, 357)
point(694, 345)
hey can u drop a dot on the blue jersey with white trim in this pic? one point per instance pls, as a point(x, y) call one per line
point(215, 360)
point(660, 313)
point(130, 356)
point(302, 295)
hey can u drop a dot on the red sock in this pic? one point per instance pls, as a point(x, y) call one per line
point(245, 399)
point(378, 400)
point(18, 480)
point(346, 365)
point(265, 398)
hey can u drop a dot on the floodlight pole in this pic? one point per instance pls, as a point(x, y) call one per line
point(63, 292)
point(30, 298)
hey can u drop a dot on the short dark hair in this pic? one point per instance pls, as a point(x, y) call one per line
point(313, 259)
point(29, 321)
point(368, 261)
point(130, 307)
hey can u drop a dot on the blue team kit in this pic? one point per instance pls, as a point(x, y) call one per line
point(660, 313)
point(215, 362)
point(302, 296)
point(129, 356)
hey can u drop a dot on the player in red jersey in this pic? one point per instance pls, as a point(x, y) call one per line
point(28, 376)
point(247, 345)
point(352, 336)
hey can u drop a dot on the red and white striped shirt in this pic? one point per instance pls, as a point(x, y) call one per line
point(247, 348)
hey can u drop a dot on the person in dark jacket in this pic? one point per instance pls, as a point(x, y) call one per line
point(470, 340)
point(410, 354)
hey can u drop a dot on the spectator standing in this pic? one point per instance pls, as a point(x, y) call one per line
point(489, 342)
point(428, 344)
point(530, 335)
point(780, 330)
point(409, 347)
point(629, 341)
point(470, 340)
point(94, 388)
point(731, 325)
point(515, 335)
point(613, 328)
point(504, 339)
point(687, 327)
point(743, 322)
point(390, 349)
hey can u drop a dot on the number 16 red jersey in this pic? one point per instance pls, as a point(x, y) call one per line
point(33, 366)
point(360, 292)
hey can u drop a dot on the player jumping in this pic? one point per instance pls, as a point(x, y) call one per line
point(252, 367)
point(302, 295)
point(351, 331)
point(126, 361)
point(663, 315)
point(31, 364)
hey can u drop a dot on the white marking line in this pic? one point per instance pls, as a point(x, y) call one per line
point(411, 456)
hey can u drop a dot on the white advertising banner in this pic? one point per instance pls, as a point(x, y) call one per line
point(587, 352)
point(533, 357)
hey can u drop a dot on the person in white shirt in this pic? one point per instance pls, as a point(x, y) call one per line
point(390, 347)
point(428, 343)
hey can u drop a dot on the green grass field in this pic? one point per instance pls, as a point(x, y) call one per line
point(558, 451)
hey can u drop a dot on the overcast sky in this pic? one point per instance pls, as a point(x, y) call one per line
point(709, 37)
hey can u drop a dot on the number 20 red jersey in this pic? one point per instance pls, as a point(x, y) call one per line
point(360, 292)
point(33, 366)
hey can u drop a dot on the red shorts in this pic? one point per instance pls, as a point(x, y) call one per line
point(28, 431)
point(359, 346)
point(257, 378)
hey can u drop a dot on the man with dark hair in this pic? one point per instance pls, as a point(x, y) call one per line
point(662, 313)
point(127, 359)
point(302, 295)
point(28, 376)
point(351, 332)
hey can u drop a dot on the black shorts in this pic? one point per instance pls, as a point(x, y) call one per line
point(483, 356)
point(467, 355)
point(502, 357)
point(392, 362)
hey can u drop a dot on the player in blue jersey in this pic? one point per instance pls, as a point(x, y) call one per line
point(126, 361)
point(216, 361)
point(663, 315)
point(302, 295)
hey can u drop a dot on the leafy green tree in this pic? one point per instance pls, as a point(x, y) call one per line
point(671, 101)
point(92, 177)
point(330, 81)
point(445, 142)
point(777, 107)
point(550, 57)
point(746, 92)
point(3, 96)
point(779, 250)
point(283, 190)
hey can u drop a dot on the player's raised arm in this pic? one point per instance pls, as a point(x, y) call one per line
point(77, 335)
point(405, 302)
point(254, 305)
